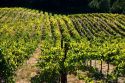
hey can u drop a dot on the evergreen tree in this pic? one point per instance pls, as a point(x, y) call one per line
point(118, 6)
point(105, 6)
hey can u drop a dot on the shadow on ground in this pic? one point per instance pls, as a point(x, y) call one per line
point(53, 6)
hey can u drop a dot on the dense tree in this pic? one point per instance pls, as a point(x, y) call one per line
point(118, 6)
point(108, 5)
point(70, 6)
point(105, 6)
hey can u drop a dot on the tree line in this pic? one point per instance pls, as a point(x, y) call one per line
point(69, 6)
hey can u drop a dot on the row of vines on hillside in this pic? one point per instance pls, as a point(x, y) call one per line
point(75, 58)
point(89, 37)
point(20, 33)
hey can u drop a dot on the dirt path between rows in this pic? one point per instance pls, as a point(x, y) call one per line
point(29, 69)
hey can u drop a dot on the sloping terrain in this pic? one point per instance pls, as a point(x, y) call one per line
point(21, 30)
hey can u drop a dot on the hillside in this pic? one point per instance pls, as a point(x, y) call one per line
point(22, 30)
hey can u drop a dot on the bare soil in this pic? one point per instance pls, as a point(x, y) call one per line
point(29, 69)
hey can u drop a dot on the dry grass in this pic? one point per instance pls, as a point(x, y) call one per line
point(73, 79)
point(29, 69)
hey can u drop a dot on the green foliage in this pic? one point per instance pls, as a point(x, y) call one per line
point(19, 37)
point(108, 5)
point(90, 36)
point(94, 4)
point(110, 50)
